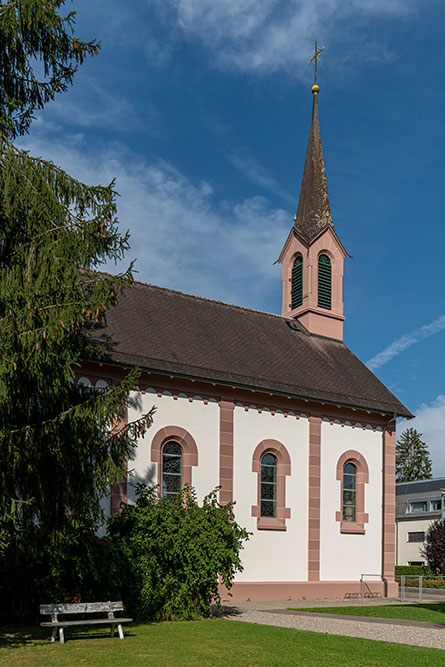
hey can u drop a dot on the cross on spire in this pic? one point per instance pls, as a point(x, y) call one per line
point(314, 59)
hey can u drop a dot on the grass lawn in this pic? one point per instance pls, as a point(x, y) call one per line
point(433, 613)
point(208, 642)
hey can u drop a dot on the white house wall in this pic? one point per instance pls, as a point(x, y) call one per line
point(342, 556)
point(408, 552)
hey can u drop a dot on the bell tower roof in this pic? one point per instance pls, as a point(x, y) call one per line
point(313, 212)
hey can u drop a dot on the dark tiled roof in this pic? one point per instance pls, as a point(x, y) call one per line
point(314, 212)
point(161, 330)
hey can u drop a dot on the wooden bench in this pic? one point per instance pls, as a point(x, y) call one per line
point(108, 608)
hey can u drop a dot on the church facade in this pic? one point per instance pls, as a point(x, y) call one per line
point(274, 409)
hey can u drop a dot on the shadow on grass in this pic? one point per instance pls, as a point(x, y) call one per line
point(15, 638)
point(226, 611)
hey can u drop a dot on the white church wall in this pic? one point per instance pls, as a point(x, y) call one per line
point(199, 419)
point(272, 555)
point(345, 557)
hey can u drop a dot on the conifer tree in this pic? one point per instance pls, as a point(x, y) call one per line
point(61, 445)
point(413, 461)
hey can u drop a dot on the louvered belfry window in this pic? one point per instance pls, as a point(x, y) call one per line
point(324, 282)
point(297, 283)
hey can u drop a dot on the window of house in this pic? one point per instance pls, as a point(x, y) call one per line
point(324, 282)
point(268, 498)
point(436, 505)
point(418, 506)
point(171, 469)
point(416, 537)
point(297, 282)
point(349, 492)
point(416, 562)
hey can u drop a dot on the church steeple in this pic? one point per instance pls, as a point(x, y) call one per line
point(314, 212)
point(312, 257)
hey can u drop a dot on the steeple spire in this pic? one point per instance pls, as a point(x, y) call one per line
point(314, 212)
point(312, 257)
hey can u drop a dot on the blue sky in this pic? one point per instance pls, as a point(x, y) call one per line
point(201, 111)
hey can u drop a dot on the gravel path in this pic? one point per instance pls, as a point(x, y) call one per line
point(387, 632)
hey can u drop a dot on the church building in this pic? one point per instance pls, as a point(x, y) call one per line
point(274, 409)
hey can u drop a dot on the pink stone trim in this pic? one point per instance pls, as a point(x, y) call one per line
point(314, 498)
point(297, 590)
point(358, 526)
point(283, 468)
point(189, 452)
point(389, 502)
point(226, 409)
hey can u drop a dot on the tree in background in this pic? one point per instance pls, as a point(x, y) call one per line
point(434, 547)
point(61, 445)
point(413, 461)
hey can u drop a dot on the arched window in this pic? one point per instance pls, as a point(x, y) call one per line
point(271, 462)
point(324, 282)
point(297, 282)
point(353, 474)
point(171, 469)
point(268, 499)
point(349, 492)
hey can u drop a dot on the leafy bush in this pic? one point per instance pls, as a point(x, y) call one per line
point(411, 570)
point(434, 547)
point(179, 552)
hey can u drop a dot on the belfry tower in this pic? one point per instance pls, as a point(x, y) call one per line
point(312, 257)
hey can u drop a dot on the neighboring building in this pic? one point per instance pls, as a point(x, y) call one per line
point(273, 408)
point(418, 504)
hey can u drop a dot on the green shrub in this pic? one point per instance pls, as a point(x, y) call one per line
point(410, 570)
point(434, 547)
point(180, 552)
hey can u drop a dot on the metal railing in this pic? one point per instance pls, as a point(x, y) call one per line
point(416, 586)
point(368, 593)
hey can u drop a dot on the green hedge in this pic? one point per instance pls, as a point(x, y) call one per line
point(412, 570)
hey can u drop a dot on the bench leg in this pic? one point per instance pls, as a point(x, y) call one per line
point(121, 632)
point(113, 625)
point(53, 634)
point(61, 636)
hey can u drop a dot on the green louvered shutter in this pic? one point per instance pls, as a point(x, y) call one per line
point(324, 282)
point(297, 283)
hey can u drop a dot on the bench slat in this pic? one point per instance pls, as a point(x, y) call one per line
point(81, 607)
point(92, 621)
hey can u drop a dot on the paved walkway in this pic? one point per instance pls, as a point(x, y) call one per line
point(389, 630)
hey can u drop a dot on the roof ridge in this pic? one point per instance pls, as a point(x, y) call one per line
point(417, 481)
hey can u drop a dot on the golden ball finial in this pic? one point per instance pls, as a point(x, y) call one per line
point(315, 89)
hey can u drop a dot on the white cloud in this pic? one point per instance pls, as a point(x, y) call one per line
point(250, 167)
point(249, 35)
point(404, 342)
point(181, 234)
point(430, 421)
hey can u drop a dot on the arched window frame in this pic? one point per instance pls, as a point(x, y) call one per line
point(362, 478)
point(324, 295)
point(296, 282)
point(189, 452)
point(278, 522)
